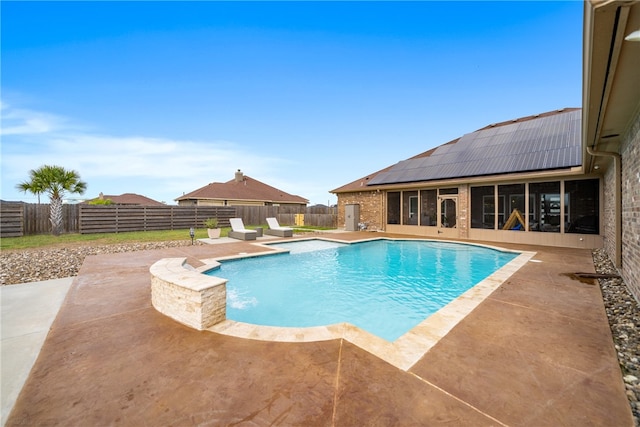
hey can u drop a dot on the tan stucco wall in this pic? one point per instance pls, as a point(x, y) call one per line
point(244, 203)
point(210, 203)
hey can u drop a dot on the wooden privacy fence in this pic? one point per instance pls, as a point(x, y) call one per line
point(122, 218)
point(20, 219)
point(12, 220)
point(24, 219)
point(256, 215)
point(37, 219)
point(312, 220)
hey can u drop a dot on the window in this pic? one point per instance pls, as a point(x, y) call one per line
point(393, 207)
point(483, 207)
point(447, 191)
point(511, 207)
point(428, 208)
point(582, 206)
point(410, 207)
point(545, 215)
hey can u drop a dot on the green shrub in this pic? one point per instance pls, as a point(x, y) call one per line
point(101, 202)
point(211, 222)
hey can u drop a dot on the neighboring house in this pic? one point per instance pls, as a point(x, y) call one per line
point(321, 208)
point(128, 199)
point(567, 178)
point(240, 191)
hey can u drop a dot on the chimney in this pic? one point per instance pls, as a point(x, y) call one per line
point(239, 176)
point(101, 197)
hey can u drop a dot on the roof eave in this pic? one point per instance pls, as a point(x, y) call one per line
point(611, 95)
point(510, 177)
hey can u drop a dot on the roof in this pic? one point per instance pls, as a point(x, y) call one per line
point(247, 188)
point(128, 199)
point(545, 141)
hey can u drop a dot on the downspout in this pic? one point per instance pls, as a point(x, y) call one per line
point(617, 176)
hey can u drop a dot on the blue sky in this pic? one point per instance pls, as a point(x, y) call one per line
point(162, 98)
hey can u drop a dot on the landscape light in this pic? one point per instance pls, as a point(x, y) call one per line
point(192, 233)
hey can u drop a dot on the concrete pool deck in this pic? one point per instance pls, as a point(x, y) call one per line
point(538, 351)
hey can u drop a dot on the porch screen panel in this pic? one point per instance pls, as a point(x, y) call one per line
point(545, 212)
point(429, 208)
point(410, 208)
point(393, 207)
point(582, 206)
point(483, 207)
point(511, 207)
point(449, 212)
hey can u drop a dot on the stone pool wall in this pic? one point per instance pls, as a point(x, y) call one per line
point(184, 294)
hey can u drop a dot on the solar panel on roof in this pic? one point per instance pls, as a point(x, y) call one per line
point(551, 142)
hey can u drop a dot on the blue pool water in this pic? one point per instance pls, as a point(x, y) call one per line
point(384, 287)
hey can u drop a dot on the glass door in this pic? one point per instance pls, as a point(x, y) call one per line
point(448, 216)
point(413, 210)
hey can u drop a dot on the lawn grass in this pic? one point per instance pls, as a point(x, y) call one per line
point(47, 240)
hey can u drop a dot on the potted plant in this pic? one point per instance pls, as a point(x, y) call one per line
point(212, 227)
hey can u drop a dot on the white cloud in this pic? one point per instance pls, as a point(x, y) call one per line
point(156, 167)
point(162, 169)
point(163, 159)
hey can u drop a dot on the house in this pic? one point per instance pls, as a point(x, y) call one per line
point(568, 177)
point(240, 191)
point(611, 125)
point(127, 199)
point(520, 181)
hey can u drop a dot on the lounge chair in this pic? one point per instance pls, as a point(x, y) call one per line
point(275, 229)
point(239, 232)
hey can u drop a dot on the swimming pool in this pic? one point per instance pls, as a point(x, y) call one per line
point(385, 287)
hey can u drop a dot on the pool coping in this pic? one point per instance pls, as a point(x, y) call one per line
point(402, 353)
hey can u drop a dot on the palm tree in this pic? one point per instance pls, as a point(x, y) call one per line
point(55, 181)
point(34, 186)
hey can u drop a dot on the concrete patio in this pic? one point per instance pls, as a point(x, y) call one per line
point(536, 352)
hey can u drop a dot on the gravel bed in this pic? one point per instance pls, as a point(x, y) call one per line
point(33, 265)
point(624, 318)
point(623, 312)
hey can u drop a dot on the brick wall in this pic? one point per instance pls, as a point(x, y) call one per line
point(630, 153)
point(463, 211)
point(371, 208)
point(609, 212)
